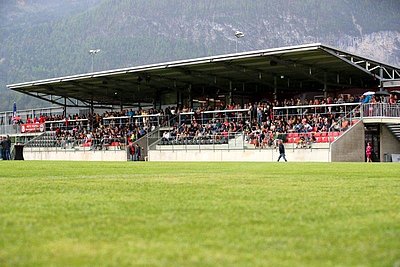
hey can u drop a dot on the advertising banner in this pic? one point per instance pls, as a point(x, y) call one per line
point(396, 157)
point(32, 127)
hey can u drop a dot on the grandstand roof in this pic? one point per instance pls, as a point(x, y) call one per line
point(285, 70)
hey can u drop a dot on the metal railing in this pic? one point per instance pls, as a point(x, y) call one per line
point(347, 121)
point(205, 117)
point(49, 141)
point(10, 129)
point(337, 109)
point(150, 120)
point(347, 116)
point(207, 142)
point(6, 116)
point(380, 110)
point(66, 124)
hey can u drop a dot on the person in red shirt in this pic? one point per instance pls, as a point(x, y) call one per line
point(368, 152)
point(42, 119)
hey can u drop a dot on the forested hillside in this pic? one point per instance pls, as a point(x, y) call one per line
point(50, 38)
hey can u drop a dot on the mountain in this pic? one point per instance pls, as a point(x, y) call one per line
point(50, 38)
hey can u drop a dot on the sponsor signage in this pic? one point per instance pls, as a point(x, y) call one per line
point(396, 157)
point(32, 127)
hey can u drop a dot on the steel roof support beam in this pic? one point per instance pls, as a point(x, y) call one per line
point(114, 91)
point(65, 98)
point(201, 76)
point(242, 70)
point(168, 79)
point(310, 73)
point(43, 97)
point(352, 61)
point(143, 82)
point(294, 67)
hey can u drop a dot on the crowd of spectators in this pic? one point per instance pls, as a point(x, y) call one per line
point(261, 124)
point(109, 129)
point(99, 131)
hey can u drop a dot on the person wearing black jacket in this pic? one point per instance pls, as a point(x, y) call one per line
point(6, 145)
point(281, 148)
point(2, 152)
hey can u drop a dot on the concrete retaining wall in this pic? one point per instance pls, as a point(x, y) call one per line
point(117, 155)
point(264, 155)
point(349, 147)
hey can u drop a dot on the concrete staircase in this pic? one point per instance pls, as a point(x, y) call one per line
point(395, 129)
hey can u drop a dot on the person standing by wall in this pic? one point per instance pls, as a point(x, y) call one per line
point(368, 152)
point(132, 151)
point(138, 152)
point(1, 148)
point(7, 148)
point(281, 148)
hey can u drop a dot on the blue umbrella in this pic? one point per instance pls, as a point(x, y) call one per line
point(366, 99)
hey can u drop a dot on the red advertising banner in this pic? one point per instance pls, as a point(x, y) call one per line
point(32, 127)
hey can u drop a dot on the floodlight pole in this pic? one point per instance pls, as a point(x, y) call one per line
point(93, 52)
point(238, 34)
point(236, 43)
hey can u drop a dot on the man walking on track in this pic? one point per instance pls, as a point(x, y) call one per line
point(281, 148)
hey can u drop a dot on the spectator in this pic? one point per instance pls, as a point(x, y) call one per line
point(6, 147)
point(1, 148)
point(281, 148)
point(368, 152)
point(131, 148)
point(138, 152)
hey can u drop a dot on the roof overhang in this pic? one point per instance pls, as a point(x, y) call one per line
point(286, 69)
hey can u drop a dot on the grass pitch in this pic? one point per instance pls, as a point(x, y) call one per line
point(199, 214)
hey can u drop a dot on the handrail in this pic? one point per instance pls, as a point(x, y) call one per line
point(215, 140)
point(65, 120)
point(60, 142)
point(316, 106)
point(134, 116)
point(345, 117)
point(214, 111)
point(203, 116)
point(380, 110)
point(157, 130)
point(38, 137)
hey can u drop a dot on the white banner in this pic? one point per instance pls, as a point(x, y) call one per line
point(396, 157)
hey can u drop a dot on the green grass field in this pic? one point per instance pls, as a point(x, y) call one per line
point(199, 214)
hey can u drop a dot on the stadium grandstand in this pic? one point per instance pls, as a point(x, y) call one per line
point(323, 103)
